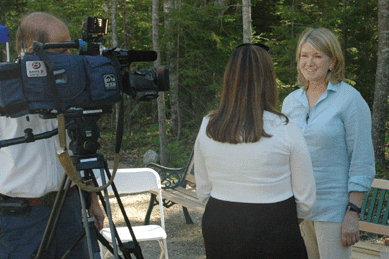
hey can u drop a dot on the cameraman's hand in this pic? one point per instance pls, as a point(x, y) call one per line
point(95, 211)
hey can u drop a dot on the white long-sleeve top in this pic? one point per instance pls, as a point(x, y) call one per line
point(268, 171)
point(29, 170)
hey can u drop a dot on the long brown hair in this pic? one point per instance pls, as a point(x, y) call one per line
point(249, 89)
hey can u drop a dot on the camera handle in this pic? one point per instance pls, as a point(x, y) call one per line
point(28, 137)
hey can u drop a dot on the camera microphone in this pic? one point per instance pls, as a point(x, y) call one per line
point(136, 55)
point(142, 55)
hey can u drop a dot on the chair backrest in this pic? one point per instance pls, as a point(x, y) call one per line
point(135, 180)
point(375, 208)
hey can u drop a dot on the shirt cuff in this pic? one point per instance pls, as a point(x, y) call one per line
point(360, 183)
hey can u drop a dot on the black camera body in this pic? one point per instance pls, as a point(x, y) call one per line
point(47, 82)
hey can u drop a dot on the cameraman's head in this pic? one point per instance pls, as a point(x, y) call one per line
point(42, 27)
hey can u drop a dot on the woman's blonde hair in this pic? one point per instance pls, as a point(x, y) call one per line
point(249, 89)
point(325, 41)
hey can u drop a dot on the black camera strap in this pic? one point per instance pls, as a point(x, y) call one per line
point(38, 49)
point(120, 123)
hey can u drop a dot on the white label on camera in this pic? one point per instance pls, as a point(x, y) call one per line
point(36, 69)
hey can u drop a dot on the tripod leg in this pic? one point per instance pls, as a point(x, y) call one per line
point(133, 247)
point(86, 224)
point(53, 219)
point(109, 215)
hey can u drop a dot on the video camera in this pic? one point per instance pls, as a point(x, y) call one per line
point(47, 83)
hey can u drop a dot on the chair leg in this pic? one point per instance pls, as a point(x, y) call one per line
point(150, 209)
point(102, 254)
point(162, 249)
point(188, 219)
point(163, 246)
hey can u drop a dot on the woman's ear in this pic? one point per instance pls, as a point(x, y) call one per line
point(333, 63)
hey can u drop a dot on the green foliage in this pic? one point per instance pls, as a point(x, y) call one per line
point(10, 11)
point(199, 38)
point(205, 36)
point(356, 29)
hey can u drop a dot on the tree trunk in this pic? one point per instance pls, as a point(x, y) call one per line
point(292, 77)
point(172, 55)
point(344, 22)
point(220, 3)
point(161, 98)
point(381, 85)
point(114, 42)
point(246, 14)
point(106, 7)
point(114, 25)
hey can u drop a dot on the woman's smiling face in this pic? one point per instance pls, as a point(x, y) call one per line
point(314, 64)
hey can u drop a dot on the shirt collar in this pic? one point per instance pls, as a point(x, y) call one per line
point(302, 98)
point(332, 87)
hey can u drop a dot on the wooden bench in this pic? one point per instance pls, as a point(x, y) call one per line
point(178, 187)
point(374, 219)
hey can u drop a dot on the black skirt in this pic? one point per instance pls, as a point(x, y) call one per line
point(250, 230)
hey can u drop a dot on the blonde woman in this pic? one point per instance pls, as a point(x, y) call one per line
point(336, 123)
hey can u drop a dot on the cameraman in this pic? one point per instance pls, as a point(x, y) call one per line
point(31, 174)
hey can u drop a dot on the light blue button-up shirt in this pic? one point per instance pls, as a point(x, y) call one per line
point(338, 134)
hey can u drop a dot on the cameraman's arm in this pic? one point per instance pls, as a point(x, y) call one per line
point(95, 210)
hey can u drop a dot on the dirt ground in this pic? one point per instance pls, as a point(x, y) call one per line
point(184, 241)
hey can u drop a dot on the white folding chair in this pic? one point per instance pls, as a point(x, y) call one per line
point(136, 180)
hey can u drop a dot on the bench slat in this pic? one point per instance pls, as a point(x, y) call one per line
point(190, 178)
point(365, 250)
point(184, 197)
point(364, 205)
point(379, 207)
point(374, 228)
point(185, 201)
point(372, 204)
point(184, 193)
point(386, 215)
point(380, 184)
point(187, 192)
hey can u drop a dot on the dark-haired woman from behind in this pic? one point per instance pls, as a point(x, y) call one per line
point(252, 166)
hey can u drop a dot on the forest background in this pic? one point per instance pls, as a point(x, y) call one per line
point(194, 38)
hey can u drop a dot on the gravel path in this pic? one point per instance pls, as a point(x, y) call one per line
point(184, 241)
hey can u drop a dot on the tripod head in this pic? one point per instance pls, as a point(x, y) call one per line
point(84, 134)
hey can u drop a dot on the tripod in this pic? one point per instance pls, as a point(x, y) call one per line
point(97, 161)
point(84, 133)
